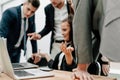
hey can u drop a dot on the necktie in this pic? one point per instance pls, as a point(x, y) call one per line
point(24, 36)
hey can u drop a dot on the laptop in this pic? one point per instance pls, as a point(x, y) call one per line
point(20, 73)
point(24, 65)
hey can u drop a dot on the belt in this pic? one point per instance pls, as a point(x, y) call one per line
point(59, 41)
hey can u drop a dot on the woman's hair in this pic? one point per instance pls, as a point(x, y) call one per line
point(69, 20)
point(35, 3)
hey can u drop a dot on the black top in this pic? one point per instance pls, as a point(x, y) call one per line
point(64, 66)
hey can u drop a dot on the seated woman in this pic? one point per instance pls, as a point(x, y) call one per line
point(65, 60)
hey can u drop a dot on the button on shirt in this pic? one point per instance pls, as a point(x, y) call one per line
point(22, 28)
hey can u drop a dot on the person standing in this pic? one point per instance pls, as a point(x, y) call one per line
point(12, 28)
point(55, 13)
point(83, 27)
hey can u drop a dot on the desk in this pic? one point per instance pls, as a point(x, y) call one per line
point(59, 75)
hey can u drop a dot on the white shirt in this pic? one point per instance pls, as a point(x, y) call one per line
point(22, 28)
point(60, 15)
point(60, 60)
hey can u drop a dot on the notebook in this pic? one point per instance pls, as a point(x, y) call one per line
point(20, 73)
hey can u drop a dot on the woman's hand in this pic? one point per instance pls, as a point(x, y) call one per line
point(105, 67)
point(67, 50)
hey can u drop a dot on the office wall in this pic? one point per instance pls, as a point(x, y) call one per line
point(43, 44)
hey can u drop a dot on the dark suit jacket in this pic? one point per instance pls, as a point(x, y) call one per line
point(49, 24)
point(10, 26)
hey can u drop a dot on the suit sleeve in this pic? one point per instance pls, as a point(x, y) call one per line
point(6, 21)
point(34, 46)
point(33, 29)
point(48, 24)
point(82, 31)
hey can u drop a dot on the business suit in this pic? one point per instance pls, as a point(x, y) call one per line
point(50, 22)
point(82, 31)
point(10, 27)
point(110, 42)
point(88, 18)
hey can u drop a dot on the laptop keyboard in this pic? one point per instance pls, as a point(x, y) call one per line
point(16, 65)
point(22, 73)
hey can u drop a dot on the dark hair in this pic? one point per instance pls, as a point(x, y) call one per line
point(35, 3)
point(69, 20)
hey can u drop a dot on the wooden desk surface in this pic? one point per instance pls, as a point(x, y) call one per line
point(59, 75)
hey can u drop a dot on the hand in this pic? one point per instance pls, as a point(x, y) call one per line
point(65, 49)
point(105, 67)
point(81, 75)
point(34, 36)
point(45, 55)
point(36, 57)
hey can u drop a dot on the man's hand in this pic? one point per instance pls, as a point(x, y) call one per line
point(81, 75)
point(34, 36)
point(36, 57)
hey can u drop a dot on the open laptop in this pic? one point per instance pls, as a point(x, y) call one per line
point(24, 65)
point(18, 74)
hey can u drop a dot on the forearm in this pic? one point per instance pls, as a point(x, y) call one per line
point(69, 59)
point(44, 31)
point(83, 67)
point(47, 57)
point(34, 46)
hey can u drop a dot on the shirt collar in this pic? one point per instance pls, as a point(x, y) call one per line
point(22, 14)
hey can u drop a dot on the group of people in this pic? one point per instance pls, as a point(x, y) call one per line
point(76, 28)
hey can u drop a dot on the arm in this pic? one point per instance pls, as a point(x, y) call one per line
point(32, 28)
point(46, 56)
point(82, 67)
point(6, 21)
point(81, 73)
point(46, 29)
point(48, 22)
point(70, 60)
point(39, 56)
point(68, 52)
point(34, 46)
point(51, 63)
